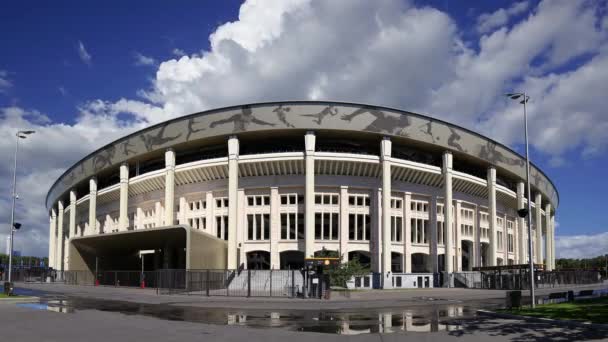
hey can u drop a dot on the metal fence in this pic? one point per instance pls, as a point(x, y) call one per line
point(520, 280)
point(247, 283)
point(31, 274)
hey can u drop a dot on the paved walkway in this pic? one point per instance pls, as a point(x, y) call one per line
point(362, 299)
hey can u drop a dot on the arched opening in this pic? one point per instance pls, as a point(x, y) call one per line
point(292, 260)
point(363, 257)
point(258, 260)
point(420, 263)
point(466, 255)
point(396, 262)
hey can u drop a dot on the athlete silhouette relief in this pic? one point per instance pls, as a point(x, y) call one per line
point(383, 123)
point(150, 141)
point(427, 129)
point(125, 148)
point(104, 158)
point(241, 121)
point(489, 152)
point(453, 140)
point(331, 110)
point(281, 113)
point(191, 129)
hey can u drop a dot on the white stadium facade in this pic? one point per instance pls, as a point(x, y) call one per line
point(265, 185)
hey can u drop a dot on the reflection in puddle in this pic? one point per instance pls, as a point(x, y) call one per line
point(46, 307)
point(429, 318)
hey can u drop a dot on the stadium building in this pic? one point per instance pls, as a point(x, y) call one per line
point(266, 185)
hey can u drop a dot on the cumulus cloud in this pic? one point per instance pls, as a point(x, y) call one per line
point(385, 52)
point(84, 55)
point(178, 52)
point(141, 60)
point(488, 21)
point(5, 83)
point(581, 246)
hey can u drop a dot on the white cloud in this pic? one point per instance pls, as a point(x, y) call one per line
point(5, 83)
point(385, 52)
point(178, 52)
point(62, 90)
point(581, 246)
point(84, 55)
point(142, 60)
point(488, 21)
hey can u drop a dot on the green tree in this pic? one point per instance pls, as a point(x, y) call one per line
point(342, 273)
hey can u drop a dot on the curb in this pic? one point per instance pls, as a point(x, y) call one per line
point(566, 323)
point(19, 300)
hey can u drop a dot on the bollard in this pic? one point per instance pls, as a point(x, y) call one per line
point(143, 284)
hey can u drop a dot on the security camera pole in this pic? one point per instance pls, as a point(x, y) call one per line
point(19, 135)
point(528, 210)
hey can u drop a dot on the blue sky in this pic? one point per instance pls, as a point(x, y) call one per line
point(91, 73)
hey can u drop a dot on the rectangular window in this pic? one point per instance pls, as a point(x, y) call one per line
point(318, 223)
point(284, 225)
point(258, 227)
point(300, 226)
point(396, 228)
point(221, 224)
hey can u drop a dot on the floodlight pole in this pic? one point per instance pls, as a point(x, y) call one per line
point(14, 198)
point(19, 135)
point(515, 96)
point(530, 250)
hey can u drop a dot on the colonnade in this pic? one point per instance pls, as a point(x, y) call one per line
point(59, 249)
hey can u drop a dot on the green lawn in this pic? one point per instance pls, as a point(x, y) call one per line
point(2, 295)
point(589, 310)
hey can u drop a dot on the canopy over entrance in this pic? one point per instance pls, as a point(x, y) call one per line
point(174, 247)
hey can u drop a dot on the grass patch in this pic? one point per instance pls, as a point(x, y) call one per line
point(587, 310)
point(2, 295)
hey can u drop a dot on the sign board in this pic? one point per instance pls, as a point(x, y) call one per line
point(315, 280)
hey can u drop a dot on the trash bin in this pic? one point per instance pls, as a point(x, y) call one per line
point(513, 299)
point(8, 288)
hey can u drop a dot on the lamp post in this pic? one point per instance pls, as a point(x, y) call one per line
point(526, 212)
point(19, 135)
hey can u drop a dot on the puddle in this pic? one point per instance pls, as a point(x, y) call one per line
point(46, 307)
point(429, 318)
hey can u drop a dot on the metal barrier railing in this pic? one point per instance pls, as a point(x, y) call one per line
point(519, 279)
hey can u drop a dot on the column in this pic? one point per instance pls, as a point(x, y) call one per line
point(52, 238)
point(448, 214)
point(521, 229)
point(59, 256)
point(92, 207)
point(552, 242)
point(492, 216)
point(139, 224)
point(475, 256)
point(385, 151)
point(71, 227)
point(169, 187)
point(209, 213)
point(344, 223)
point(158, 214)
point(457, 223)
point(309, 196)
point(183, 209)
point(505, 240)
point(407, 236)
point(233, 183)
point(72, 222)
point(376, 230)
point(123, 218)
point(275, 228)
point(241, 227)
point(538, 229)
point(434, 263)
point(548, 237)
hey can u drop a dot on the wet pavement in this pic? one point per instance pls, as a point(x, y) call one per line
point(428, 315)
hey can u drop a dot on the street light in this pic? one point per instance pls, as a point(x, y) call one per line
point(526, 212)
point(19, 135)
